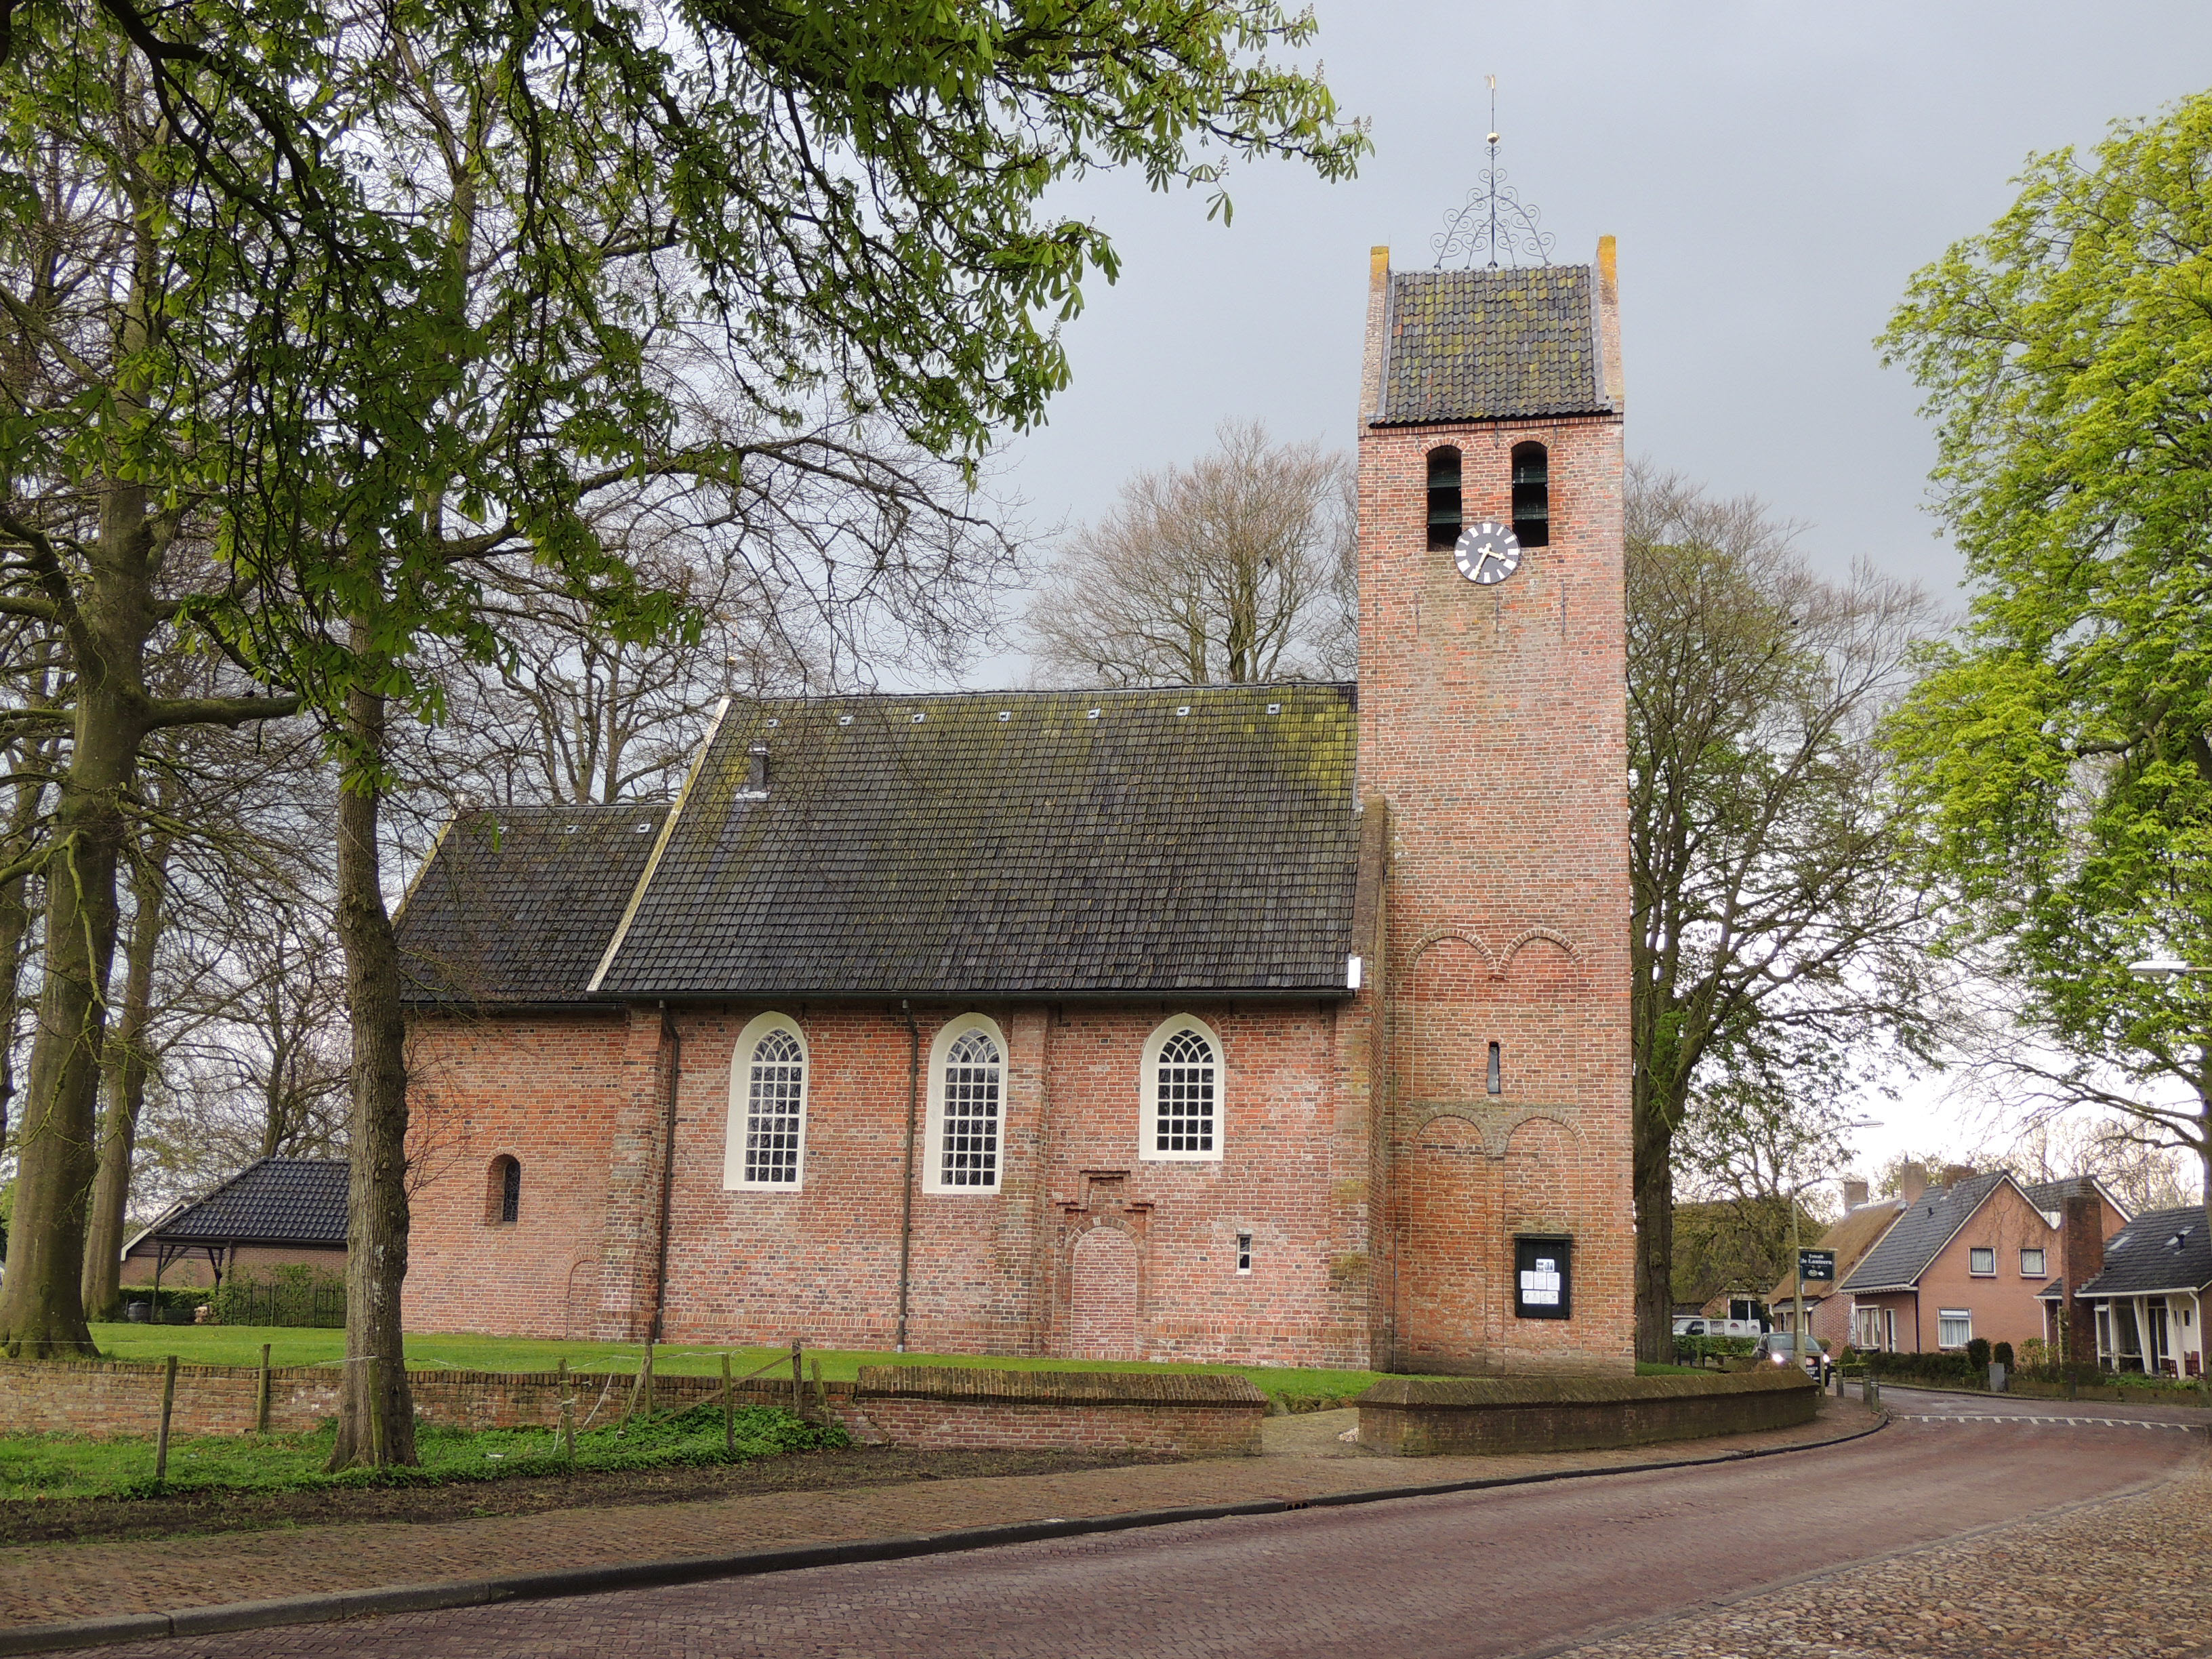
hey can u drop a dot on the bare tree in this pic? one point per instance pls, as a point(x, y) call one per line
point(1779, 926)
point(1235, 569)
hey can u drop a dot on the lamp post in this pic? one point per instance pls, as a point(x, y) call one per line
point(1796, 1252)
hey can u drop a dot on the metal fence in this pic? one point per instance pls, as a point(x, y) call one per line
point(321, 1303)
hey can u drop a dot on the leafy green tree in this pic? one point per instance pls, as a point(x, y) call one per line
point(2066, 737)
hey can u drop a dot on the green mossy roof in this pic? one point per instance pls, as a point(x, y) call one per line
point(1166, 841)
point(1485, 345)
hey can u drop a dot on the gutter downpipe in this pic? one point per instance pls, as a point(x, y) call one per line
point(675, 1050)
point(906, 1186)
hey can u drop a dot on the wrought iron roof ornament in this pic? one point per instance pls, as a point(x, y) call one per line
point(1493, 219)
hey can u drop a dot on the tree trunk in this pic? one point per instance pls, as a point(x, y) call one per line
point(1653, 1179)
point(376, 1203)
point(126, 1067)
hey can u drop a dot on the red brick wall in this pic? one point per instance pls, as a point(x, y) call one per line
point(1002, 1425)
point(542, 1090)
point(1493, 721)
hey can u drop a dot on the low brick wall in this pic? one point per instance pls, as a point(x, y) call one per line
point(937, 1409)
point(1415, 1417)
point(930, 1408)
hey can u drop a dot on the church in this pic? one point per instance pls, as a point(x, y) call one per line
point(1261, 1024)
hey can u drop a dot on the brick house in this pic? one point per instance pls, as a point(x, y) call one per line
point(275, 1213)
point(1828, 1309)
point(2148, 1299)
point(1970, 1259)
point(1282, 1023)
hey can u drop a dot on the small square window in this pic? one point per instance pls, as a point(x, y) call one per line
point(1243, 1253)
point(2030, 1264)
point(1955, 1328)
point(1982, 1262)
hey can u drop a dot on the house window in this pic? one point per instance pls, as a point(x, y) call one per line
point(1982, 1262)
point(1443, 498)
point(1532, 495)
point(503, 1201)
point(1866, 1328)
point(1955, 1328)
point(1243, 1253)
point(1181, 1104)
point(766, 1146)
point(967, 1072)
point(2030, 1264)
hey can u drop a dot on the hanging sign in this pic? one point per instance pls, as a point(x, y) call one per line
point(1817, 1267)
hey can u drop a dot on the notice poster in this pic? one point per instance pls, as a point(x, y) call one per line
point(1542, 1281)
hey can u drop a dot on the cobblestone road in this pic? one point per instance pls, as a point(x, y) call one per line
point(1506, 1572)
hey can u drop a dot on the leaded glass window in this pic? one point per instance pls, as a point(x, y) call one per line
point(776, 1107)
point(970, 1154)
point(1183, 1118)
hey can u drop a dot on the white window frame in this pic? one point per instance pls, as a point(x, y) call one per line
point(940, 1049)
point(1148, 1093)
point(1989, 1250)
point(1963, 1316)
point(2042, 1262)
point(1866, 1328)
point(741, 1068)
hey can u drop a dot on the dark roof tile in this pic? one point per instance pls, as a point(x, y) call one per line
point(278, 1200)
point(1470, 346)
point(1921, 1233)
point(2163, 1251)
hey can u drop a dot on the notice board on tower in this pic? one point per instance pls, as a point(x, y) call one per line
point(1543, 1277)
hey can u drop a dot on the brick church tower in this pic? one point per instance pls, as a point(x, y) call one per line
point(1493, 731)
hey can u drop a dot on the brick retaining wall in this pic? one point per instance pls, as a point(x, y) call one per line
point(931, 1408)
point(1408, 1417)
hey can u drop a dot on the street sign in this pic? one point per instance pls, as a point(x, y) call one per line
point(1817, 1267)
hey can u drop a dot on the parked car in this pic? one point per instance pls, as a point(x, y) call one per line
point(1780, 1347)
point(1685, 1325)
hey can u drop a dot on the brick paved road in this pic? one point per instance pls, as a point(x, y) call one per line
point(1493, 1573)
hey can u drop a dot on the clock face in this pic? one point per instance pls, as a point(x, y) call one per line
point(1488, 552)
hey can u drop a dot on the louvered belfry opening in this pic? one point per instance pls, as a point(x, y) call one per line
point(1444, 513)
point(1532, 494)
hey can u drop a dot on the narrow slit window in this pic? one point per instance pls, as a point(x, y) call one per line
point(969, 1156)
point(1496, 1081)
point(1243, 1253)
point(1532, 495)
point(776, 1099)
point(505, 1196)
point(1184, 1081)
point(1443, 498)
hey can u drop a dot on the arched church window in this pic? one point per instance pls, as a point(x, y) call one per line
point(1532, 495)
point(1182, 1116)
point(1444, 497)
point(766, 1146)
point(966, 1098)
point(503, 1201)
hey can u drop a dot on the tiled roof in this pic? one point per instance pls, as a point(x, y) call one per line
point(1467, 346)
point(1200, 838)
point(278, 1200)
point(1851, 1239)
point(517, 904)
point(2163, 1251)
point(1921, 1233)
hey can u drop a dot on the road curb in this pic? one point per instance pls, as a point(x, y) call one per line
point(697, 1569)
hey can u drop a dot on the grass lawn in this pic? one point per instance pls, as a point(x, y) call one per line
point(52, 1466)
point(1652, 1368)
point(241, 1344)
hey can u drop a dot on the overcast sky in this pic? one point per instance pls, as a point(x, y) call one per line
point(1774, 173)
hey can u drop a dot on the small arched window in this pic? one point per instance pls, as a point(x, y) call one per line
point(966, 1107)
point(503, 1193)
point(1181, 1104)
point(1444, 497)
point(1532, 495)
point(766, 1146)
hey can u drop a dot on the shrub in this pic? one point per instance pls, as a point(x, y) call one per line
point(2002, 1354)
point(1977, 1354)
point(1926, 1367)
point(175, 1305)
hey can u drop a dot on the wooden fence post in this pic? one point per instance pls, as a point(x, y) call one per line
point(798, 1383)
point(376, 1411)
point(168, 1403)
point(821, 1394)
point(645, 1381)
point(729, 1413)
point(261, 1395)
point(567, 1416)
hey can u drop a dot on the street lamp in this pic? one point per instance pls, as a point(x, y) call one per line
point(2163, 968)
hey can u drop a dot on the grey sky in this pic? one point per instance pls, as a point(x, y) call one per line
point(1774, 174)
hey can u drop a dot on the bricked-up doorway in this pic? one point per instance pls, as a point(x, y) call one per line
point(1102, 1296)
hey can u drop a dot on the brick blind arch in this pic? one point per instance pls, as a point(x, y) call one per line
point(1102, 1296)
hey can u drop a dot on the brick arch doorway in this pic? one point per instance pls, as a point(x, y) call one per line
point(1102, 1296)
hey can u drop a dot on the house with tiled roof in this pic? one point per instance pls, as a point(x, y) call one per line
point(277, 1212)
point(1828, 1309)
point(2147, 1300)
point(1971, 1258)
point(1264, 1023)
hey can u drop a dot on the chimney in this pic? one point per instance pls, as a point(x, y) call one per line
point(1912, 1182)
point(2080, 1259)
point(1955, 1173)
point(1854, 1194)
